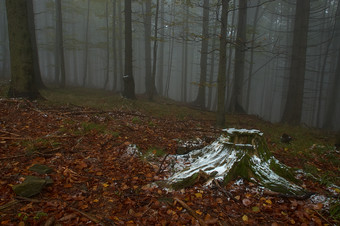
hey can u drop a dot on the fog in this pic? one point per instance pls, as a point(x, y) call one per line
point(93, 44)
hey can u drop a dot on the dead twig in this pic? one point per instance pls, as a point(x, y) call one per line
point(9, 204)
point(89, 216)
point(226, 193)
point(191, 211)
point(160, 167)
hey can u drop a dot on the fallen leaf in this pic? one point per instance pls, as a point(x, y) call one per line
point(68, 217)
point(246, 202)
point(255, 209)
point(245, 218)
point(199, 212)
point(198, 195)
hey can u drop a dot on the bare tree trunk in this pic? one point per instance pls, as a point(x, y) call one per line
point(107, 45)
point(129, 83)
point(114, 48)
point(31, 23)
point(86, 43)
point(161, 53)
point(200, 99)
point(251, 63)
point(21, 55)
point(60, 59)
point(221, 80)
point(293, 110)
point(236, 97)
point(153, 91)
point(147, 45)
point(185, 55)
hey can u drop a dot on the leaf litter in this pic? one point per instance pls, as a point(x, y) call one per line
point(99, 176)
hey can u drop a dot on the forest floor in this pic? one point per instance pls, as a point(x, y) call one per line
point(89, 138)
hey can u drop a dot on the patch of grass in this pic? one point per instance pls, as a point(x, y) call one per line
point(90, 126)
point(152, 153)
point(35, 145)
point(136, 120)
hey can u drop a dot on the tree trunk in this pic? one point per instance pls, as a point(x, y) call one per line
point(31, 23)
point(153, 91)
point(161, 54)
point(185, 55)
point(147, 45)
point(21, 54)
point(106, 83)
point(251, 63)
point(86, 43)
point(221, 79)
point(293, 109)
point(114, 48)
point(129, 83)
point(240, 50)
point(60, 61)
point(200, 99)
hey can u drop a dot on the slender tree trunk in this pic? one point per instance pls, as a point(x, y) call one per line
point(171, 48)
point(200, 99)
point(221, 79)
point(107, 45)
point(240, 50)
point(86, 44)
point(147, 45)
point(293, 109)
point(120, 45)
point(251, 63)
point(185, 56)
point(212, 68)
point(21, 54)
point(161, 53)
point(129, 83)
point(114, 48)
point(31, 23)
point(153, 91)
point(60, 45)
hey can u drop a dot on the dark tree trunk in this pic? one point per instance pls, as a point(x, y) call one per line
point(200, 99)
point(293, 109)
point(129, 83)
point(31, 23)
point(221, 79)
point(21, 54)
point(147, 45)
point(152, 90)
point(60, 60)
point(86, 43)
point(107, 45)
point(114, 48)
point(161, 54)
point(240, 50)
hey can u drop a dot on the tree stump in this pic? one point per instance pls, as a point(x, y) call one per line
point(236, 153)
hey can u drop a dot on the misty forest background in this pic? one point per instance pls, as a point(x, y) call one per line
point(281, 61)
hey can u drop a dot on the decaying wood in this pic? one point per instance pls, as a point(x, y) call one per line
point(226, 193)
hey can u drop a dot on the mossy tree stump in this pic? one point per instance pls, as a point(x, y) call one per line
point(237, 153)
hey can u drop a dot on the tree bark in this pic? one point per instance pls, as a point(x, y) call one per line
point(293, 109)
point(200, 99)
point(31, 23)
point(21, 55)
point(153, 91)
point(240, 50)
point(129, 83)
point(221, 79)
point(60, 60)
point(147, 46)
point(86, 43)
